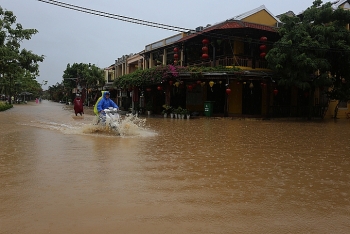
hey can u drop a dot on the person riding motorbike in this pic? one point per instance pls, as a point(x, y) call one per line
point(105, 103)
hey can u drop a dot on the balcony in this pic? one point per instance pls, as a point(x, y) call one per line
point(237, 61)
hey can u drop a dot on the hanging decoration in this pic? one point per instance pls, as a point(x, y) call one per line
point(148, 89)
point(228, 91)
point(160, 88)
point(176, 55)
point(171, 82)
point(189, 87)
point(211, 83)
point(205, 49)
point(275, 91)
point(263, 47)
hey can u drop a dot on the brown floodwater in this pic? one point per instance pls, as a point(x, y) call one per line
point(62, 174)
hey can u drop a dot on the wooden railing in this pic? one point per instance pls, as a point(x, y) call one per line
point(237, 61)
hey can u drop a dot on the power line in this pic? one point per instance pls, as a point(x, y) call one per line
point(114, 16)
point(174, 28)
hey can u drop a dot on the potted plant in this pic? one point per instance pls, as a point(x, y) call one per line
point(186, 113)
point(166, 110)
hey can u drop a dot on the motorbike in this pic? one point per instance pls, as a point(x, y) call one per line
point(109, 117)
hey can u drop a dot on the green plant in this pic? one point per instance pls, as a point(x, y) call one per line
point(5, 106)
point(167, 109)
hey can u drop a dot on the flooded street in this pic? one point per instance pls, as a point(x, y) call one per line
point(58, 174)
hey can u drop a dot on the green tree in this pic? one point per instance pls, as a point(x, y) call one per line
point(85, 75)
point(15, 62)
point(314, 50)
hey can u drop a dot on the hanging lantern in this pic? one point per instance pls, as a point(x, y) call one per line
point(205, 56)
point(211, 83)
point(262, 47)
point(251, 86)
point(244, 82)
point(160, 88)
point(171, 82)
point(275, 91)
point(199, 82)
point(228, 91)
point(190, 87)
point(176, 50)
point(202, 84)
point(176, 56)
point(177, 83)
point(148, 89)
point(205, 49)
point(205, 41)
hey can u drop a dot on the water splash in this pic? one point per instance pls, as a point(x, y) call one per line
point(126, 126)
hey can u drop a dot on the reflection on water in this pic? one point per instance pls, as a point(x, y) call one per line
point(58, 175)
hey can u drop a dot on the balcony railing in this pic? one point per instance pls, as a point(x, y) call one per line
point(237, 61)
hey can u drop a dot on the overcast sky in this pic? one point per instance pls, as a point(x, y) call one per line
point(67, 36)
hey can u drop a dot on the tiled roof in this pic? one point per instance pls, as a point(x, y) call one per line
point(230, 24)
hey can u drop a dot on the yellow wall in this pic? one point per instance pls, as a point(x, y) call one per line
point(261, 17)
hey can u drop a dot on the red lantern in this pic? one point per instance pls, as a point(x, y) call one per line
point(262, 55)
point(190, 87)
point(159, 88)
point(205, 50)
point(263, 47)
point(205, 56)
point(275, 91)
point(199, 82)
point(263, 38)
point(148, 89)
point(170, 82)
point(176, 50)
point(228, 91)
point(176, 56)
point(205, 41)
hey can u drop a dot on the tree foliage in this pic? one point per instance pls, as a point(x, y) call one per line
point(16, 64)
point(83, 74)
point(314, 50)
point(313, 47)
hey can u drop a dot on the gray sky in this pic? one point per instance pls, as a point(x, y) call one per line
point(67, 36)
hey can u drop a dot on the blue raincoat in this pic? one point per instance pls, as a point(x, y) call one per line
point(105, 103)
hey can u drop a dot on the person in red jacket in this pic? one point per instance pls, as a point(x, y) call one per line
point(78, 105)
